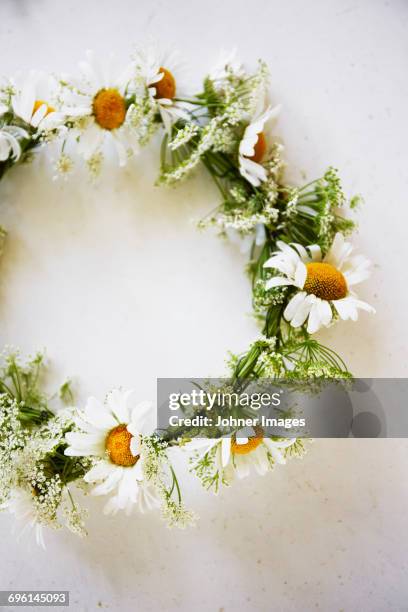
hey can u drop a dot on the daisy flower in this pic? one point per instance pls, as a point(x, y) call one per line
point(161, 75)
point(322, 283)
point(97, 104)
point(113, 433)
point(253, 147)
point(236, 455)
point(32, 102)
point(9, 142)
point(21, 505)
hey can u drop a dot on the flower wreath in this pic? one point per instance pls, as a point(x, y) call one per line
point(302, 270)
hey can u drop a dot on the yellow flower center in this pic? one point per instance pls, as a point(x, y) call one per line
point(325, 281)
point(118, 447)
point(39, 103)
point(109, 109)
point(248, 447)
point(166, 87)
point(259, 149)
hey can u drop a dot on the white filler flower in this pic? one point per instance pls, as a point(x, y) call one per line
point(9, 142)
point(253, 147)
point(323, 283)
point(112, 433)
point(98, 104)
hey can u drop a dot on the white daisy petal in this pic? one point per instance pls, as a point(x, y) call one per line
point(302, 252)
point(99, 415)
point(4, 148)
point(289, 252)
point(314, 322)
point(84, 440)
point(100, 471)
point(273, 448)
point(363, 305)
point(303, 311)
point(261, 462)
point(166, 118)
point(138, 470)
point(294, 304)
point(91, 451)
point(277, 455)
point(334, 253)
point(76, 111)
point(23, 103)
point(277, 281)
point(52, 120)
point(39, 115)
point(147, 498)
point(139, 411)
point(146, 423)
point(20, 504)
point(282, 264)
point(15, 148)
point(128, 488)
point(117, 403)
point(135, 445)
point(325, 311)
point(252, 171)
point(242, 466)
point(338, 252)
point(315, 252)
point(300, 275)
point(358, 270)
point(110, 482)
point(225, 451)
point(346, 309)
point(90, 141)
point(260, 234)
point(120, 149)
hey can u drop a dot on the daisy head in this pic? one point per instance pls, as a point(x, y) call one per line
point(34, 101)
point(253, 147)
point(236, 455)
point(162, 75)
point(97, 104)
point(242, 452)
point(112, 433)
point(21, 505)
point(323, 285)
point(10, 137)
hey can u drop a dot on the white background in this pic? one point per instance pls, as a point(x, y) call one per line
point(115, 281)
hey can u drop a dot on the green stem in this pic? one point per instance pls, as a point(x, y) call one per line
point(175, 482)
point(196, 102)
point(215, 178)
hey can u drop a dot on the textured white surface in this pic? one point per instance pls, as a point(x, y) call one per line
point(117, 284)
